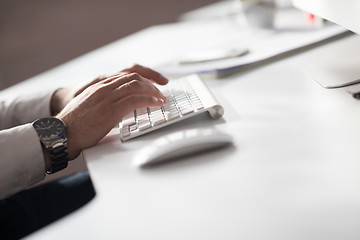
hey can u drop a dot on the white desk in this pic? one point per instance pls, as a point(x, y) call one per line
point(293, 172)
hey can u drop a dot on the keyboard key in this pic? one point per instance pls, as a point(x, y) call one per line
point(158, 121)
point(171, 116)
point(128, 119)
point(186, 110)
point(144, 124)
point(197, 104)
point(125, 131)
point(133, 127)
point(157, 116)
point(185, 107)
point(142, 113)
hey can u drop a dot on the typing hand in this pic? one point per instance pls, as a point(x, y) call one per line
point(64, 95)
point(97, 108)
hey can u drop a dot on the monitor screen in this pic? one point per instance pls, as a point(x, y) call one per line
point(343, 12)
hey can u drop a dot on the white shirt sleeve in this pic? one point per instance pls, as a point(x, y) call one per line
point(24, 109)
point(22, 163)
point(21, 157)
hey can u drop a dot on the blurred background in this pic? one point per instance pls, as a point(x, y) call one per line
point(36, 35)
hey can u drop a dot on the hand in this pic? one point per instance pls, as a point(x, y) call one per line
point(97, 108)
point(64, 95)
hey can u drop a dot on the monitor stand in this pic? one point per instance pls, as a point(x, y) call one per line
point(338, 68)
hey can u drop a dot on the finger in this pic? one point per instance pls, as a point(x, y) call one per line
point(137, 87)
point(100, 79)
point(135, 101)
point(120, 79)
point(147, 73)
point(138, 82)
point(113, 77)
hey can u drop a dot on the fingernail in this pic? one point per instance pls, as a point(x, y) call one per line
point(161, 101)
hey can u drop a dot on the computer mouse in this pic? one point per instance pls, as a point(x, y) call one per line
point(181, 144)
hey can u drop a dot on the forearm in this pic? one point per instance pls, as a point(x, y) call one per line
point(59, 99)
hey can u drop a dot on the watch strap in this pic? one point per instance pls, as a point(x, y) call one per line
point(59, 158)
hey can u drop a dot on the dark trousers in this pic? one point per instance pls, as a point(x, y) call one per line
point(30, 210)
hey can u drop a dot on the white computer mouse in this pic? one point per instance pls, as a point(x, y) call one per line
point(180, 144)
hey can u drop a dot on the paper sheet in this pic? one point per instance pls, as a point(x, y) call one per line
point(291, 32)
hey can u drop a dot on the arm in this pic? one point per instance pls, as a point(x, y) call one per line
point(101, 103)
point(24, 109)
point(21, 163)
point(21, 158)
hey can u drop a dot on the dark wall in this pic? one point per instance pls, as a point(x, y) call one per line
point(36, 35)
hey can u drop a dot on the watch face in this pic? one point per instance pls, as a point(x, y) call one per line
point(46, 127)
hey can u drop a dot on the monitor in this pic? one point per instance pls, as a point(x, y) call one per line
point(342, 71)
point(343, 12)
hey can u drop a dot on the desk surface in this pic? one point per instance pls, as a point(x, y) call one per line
point(293, 172)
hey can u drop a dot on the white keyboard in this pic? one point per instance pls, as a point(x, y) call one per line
point(186, 97)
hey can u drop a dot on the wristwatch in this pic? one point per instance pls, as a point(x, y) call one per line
point(52, 134)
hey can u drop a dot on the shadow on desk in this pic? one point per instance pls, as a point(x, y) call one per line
point(35, 208)
point(77, 165)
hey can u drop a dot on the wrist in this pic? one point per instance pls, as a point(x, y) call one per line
point(59, 100)
point(52, 135)
point(73, 149)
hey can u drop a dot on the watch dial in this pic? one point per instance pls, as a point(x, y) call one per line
point(46, 127)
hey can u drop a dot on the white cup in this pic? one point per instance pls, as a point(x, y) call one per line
point(259, 13)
